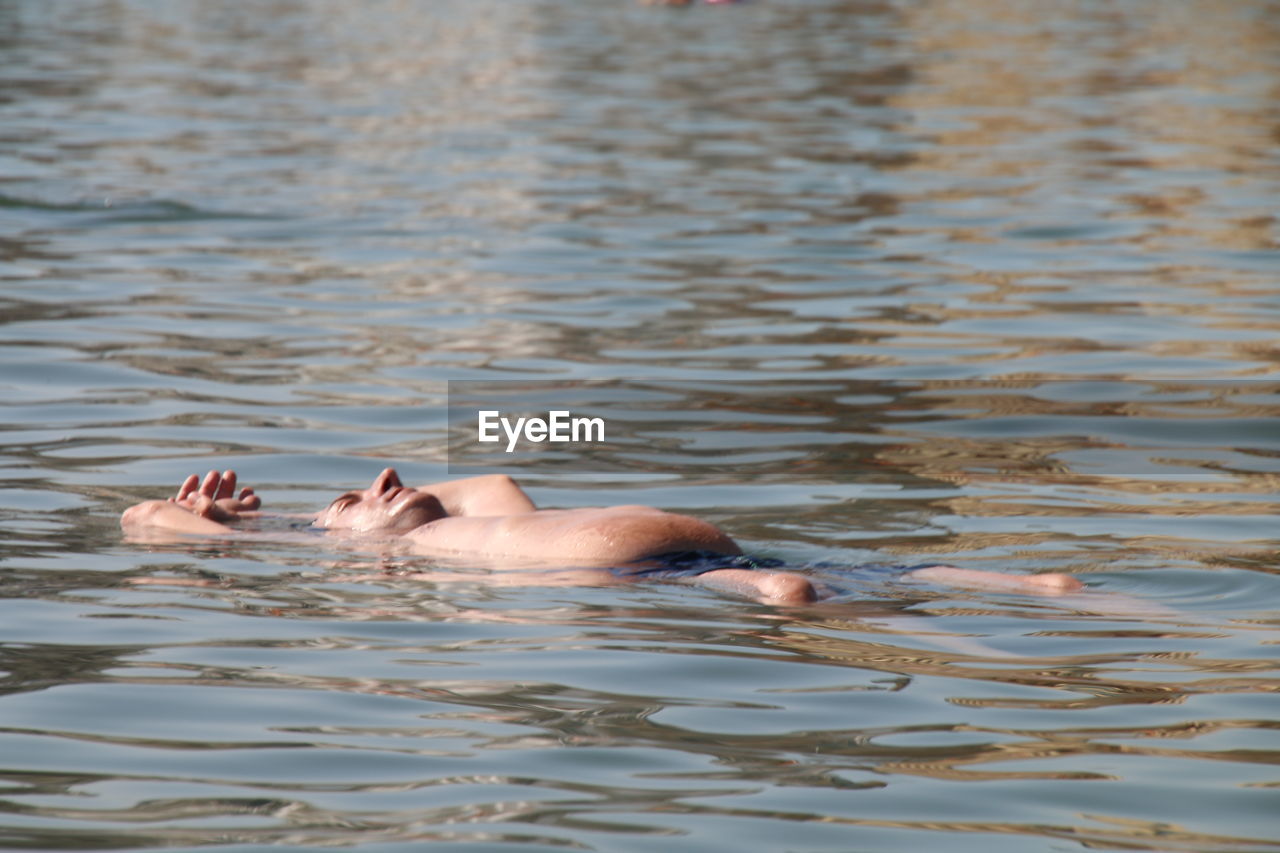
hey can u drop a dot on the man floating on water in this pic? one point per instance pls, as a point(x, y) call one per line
point(490, 523)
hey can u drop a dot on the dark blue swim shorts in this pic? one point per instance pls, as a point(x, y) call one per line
point(690, 564)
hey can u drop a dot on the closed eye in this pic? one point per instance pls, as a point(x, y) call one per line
point(345, 500)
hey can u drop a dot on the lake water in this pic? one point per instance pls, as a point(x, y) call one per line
point(984, 282)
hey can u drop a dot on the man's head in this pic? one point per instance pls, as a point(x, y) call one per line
point(387, 505)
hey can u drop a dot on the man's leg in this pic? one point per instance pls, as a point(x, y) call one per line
point(1054, 583)
point(792, 588)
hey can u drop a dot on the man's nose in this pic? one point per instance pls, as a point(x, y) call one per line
point(388, 479)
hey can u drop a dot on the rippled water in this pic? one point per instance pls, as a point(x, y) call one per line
point(987, 282)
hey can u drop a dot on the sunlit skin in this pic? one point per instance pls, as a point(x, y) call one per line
point(491, 522)
point(386, 506)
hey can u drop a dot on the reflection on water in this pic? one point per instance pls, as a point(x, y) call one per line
point(984, 282)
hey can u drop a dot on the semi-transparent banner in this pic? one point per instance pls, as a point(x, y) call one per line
point(841, 428)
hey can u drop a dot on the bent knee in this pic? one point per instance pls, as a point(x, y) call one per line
point(1057, 582)
point(787, 588)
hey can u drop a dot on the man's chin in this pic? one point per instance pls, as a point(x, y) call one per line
point(396, 524)
point(409, 521)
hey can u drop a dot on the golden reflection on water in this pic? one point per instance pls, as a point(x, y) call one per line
point(1016, 84)
point(1170, 411)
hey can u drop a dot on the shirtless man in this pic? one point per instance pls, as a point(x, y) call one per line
point(492, 523)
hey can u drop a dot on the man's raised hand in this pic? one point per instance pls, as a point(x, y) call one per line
point(215, 496)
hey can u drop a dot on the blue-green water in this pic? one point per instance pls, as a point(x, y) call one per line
point(999, 284)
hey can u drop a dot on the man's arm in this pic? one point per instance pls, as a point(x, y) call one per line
point(489, 495)
point(169, 516)
point(199, 507)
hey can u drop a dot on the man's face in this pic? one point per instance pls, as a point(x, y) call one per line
point(387, 505)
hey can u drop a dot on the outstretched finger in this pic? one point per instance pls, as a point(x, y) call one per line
point(209, 488)
point(249, 499)
point(227, 488)
point(188, 486)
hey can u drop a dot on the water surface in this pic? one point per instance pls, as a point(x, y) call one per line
point(988, 283)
